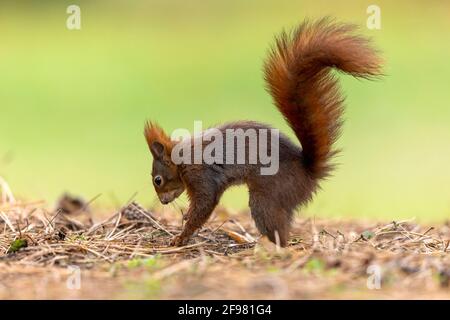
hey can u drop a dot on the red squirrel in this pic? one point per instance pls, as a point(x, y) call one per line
point(298, 76)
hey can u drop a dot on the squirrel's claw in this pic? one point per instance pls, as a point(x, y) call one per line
point(178, 241)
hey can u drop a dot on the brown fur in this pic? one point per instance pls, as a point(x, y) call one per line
point(297, 72)
point(298, 76)
point(154, 133)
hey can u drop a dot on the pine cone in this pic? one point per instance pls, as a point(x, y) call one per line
point(134, 212)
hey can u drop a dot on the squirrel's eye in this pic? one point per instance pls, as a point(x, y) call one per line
point(158, 180)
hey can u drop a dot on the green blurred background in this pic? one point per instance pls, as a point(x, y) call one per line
point(73, 103)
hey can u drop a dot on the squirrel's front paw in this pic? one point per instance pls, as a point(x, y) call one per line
point(178, 241)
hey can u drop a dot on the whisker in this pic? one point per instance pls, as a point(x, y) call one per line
point(178, 207)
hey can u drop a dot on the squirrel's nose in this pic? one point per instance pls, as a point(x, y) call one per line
point(164, 199)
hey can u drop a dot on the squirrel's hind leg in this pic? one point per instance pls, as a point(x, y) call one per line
point(270, 219)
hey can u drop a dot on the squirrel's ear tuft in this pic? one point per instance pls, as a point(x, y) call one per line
point(157, 149)
point(158, 141)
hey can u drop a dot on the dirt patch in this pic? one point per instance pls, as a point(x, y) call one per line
point(68, 254)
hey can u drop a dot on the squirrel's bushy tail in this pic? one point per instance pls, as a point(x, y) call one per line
point(297, 72)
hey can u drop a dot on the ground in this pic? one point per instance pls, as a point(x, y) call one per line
point(71, 253)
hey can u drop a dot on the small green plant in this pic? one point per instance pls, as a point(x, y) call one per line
point(78, 237)
point(17, 244)
point(273, 269)
point(314, 265)
point(152, 263)
point(366, 235)
point(145, 289)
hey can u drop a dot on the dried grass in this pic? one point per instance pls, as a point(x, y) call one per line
point(65, 239)
point(227, 251)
